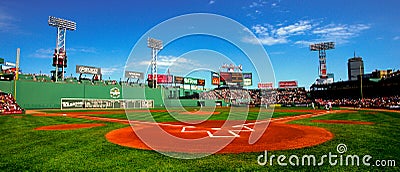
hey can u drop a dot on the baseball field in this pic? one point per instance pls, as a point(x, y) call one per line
point(97, 140)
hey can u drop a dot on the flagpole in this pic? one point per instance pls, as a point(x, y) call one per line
point(361, 84)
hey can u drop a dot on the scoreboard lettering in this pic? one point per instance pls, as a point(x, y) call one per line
point(232, 78)
point(236, 77)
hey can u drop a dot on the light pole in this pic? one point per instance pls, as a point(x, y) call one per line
point(60, 54)
point(155, 46)
point(321, 48)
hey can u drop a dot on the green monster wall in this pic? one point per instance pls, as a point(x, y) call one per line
point(39, 95)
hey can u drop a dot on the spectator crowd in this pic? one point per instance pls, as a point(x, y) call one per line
point(294, 97)
point(288, 96)
point(8, 104)
point(391, 102)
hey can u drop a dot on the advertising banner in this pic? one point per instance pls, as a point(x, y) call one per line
point(287, 84)
point(78, 103)
point(88, 70)
point(267, 85)
point(214, 78)
point(178, 80)
point(215, 81)
point(190, 81)
point(201, 82)
point(134, 75)
point(162, 79)
point(247, 79)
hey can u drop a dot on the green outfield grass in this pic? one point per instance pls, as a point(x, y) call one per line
point(25, 149)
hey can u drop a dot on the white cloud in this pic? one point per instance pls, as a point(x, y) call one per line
point(294, 29)
point(271, 35)
point(396, 38)
point(280, 34)
point(6, 22)
point(340, 33)
point(162, 61)
point(261, 30)
point(255, 8)
point(175, 64)
point(108, 71)
point(43, 53)
point(257, 4)
point(211, 2)
point(48, 52)
point(82, 50)
point(303, 43)
point(265, 40)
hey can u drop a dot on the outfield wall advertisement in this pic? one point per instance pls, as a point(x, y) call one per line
point(79, 103)
point(49, 94)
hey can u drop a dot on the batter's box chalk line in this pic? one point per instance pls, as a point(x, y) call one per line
point(232, 132)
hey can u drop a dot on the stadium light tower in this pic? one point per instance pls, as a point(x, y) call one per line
point(60, 54)
point(155, 46)
point(321, 48)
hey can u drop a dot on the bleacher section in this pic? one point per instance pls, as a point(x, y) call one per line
point(8, 104)
point(286, 97)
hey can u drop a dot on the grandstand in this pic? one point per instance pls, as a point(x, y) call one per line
point(364, 87)
point(366, 92)
point(391, 102)
point(259, 97)
point(8, 105)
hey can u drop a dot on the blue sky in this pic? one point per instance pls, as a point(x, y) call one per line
point(107, 31)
